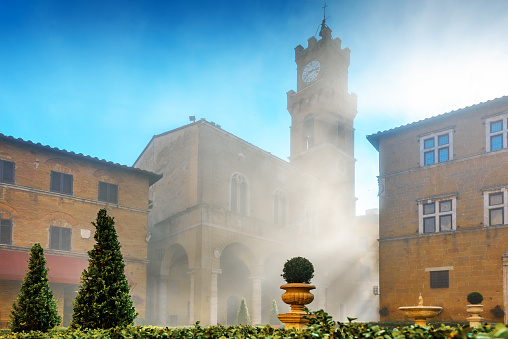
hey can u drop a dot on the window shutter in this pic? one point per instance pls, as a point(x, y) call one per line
point(113, 193)
point(67, 184)
point(103, 191)
point(66, 239)
point(55, 181)
point(6, 231)
point(54, 238)
point(7, 171)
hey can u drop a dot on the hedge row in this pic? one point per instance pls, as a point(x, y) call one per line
point(321, 325)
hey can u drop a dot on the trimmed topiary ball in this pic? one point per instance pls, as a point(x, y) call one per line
point(474, 298)
point(298, 270)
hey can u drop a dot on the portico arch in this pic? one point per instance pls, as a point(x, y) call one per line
point(174, 287)
point(234, 283)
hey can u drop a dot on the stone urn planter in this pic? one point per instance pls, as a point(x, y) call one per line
point(297, 295)
point(474, 309)
point(297, 272)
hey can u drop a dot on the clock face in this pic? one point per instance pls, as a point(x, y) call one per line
point(311, 71)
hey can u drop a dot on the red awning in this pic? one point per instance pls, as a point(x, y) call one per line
point(62, 269)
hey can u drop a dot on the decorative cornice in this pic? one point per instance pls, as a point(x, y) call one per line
point(435, 234)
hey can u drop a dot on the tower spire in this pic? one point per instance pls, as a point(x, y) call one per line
point(324, 15)
point(325, 32)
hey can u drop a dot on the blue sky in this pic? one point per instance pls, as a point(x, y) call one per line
point(102, 77)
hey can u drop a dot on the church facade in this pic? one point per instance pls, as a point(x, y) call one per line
point(226, 214)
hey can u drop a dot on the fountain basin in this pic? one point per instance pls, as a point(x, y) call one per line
point(421, 313)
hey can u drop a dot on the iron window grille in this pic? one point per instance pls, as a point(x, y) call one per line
point(439, 279)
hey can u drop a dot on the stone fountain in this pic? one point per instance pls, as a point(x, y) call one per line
point(421, 313)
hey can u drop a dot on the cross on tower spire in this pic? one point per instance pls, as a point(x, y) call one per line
point(325, 31)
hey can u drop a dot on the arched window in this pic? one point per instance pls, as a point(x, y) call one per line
point(279, 208)
point(239, 193)
point(308, 131)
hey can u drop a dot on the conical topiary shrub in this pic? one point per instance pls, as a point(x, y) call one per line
point(35, 309)
point(274, 311)
point(103, 299)
point(243, 317)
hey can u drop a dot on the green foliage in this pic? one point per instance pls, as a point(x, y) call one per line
point(298, 270)
point(103, 299)
point(321, 325)
point(274, 311)
point(474, 298)
point(497, 311)
point(243, 317)
point(35, 309)
point(383, 311)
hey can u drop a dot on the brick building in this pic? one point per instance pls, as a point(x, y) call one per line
point(443, 186)
point(51, 196)
point(227, 214)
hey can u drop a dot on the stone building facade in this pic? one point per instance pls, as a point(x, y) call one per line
point(51, 196)
point(443, 207)
point(226, 215)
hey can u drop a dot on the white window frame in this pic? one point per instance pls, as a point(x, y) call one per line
point(503, 132)
point(437, 214)
point(436, 148)
point(487, 207)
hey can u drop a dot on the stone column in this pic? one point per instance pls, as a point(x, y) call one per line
point(505, 286)
point(256, 298)
point(213, 296)
point(321, 297)
point(191, 297)
point(163, 300)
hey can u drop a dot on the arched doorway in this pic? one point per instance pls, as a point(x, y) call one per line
point(233, 283)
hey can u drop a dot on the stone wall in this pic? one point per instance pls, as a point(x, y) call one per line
point(472, 251)
point(33, 208)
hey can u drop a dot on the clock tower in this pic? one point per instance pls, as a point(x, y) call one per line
point(322, 113)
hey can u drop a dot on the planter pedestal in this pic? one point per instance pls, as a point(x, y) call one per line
point(474, 319)
point(297, 295)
